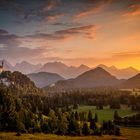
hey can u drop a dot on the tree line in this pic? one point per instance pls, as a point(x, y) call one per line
point(15, 116)
point(131, 121)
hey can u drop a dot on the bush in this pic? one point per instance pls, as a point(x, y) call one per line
point(21, 127)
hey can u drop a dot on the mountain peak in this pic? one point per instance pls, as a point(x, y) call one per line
point(113, 67)
point(98, 72)
point(100, 69)
point(102, 66)
point(131, 68)
point(26, 67)
point(55, 63)
point(83, 66)
point(23, 63)
point(97, 77)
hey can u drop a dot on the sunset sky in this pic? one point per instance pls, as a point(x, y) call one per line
point(75, 32)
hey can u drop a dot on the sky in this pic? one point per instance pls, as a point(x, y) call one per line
point(75, 32)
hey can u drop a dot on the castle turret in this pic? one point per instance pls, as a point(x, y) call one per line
point(1, 67)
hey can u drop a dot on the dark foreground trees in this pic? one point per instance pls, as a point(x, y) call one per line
point(24, 108)
point(15, 116)
point(131, 121)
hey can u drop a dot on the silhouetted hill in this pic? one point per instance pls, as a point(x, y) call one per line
point(43, 79)
point(133, 82)
point(120, 73)
point(97, 77)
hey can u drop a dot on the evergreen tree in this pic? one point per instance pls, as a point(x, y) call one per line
point(89, 115)
point(96, 117)
point(85, 129)
point(77, 116)
point(53, 121)
point(45, 127)
point(73, 127)
point(92, 124)
point(62, 124)
point(116, 116)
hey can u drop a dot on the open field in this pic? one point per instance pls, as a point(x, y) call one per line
point(12, 136)
point(106, 113)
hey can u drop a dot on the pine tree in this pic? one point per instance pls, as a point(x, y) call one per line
point(89, 115)
point(53, 121)
point(62, 124)
point(85, 129)
point(96, 117)
point(77, 116)
point(116, 116)
point(73, 127)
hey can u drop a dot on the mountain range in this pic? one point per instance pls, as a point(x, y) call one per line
point(26, 67)
point(64, 70)
point(98, 77)
point(82, 76)
point(68, 71)
point(120, 73)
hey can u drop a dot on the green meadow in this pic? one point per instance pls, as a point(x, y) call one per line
point(106, 113)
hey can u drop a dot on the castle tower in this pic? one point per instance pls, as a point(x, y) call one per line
point(1, 67)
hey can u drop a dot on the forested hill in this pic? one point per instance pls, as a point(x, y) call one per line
point(18, 83)
point(18, 103)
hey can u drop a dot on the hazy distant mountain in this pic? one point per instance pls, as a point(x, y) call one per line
point(7, 65)
point(64, 70)
point(97, 77)
point(72, 72)
point(133, 82)
point(68, 71)
point(26, 67)
point(54, 67)
point(120, 73)
point(43, 79)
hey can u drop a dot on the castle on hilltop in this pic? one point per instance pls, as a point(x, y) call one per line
point(1, 67)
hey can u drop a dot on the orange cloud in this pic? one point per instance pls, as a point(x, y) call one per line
point(87, 31)
point(133, 10)
point(126, 55)
point(89, 11)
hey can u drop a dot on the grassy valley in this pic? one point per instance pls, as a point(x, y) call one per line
point(106, 113)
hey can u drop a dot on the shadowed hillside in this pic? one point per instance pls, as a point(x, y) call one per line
point(43, 79)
